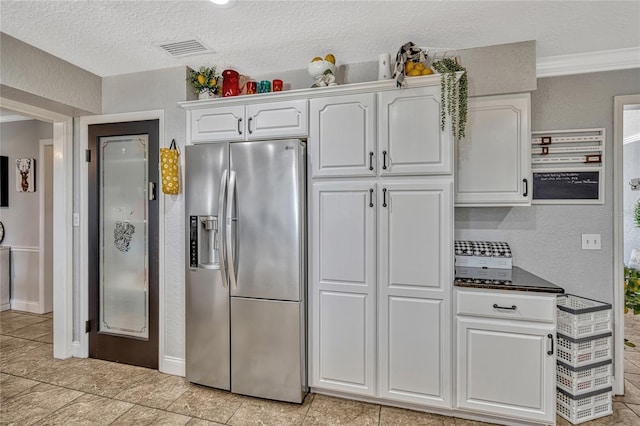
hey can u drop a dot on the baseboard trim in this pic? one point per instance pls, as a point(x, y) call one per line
point(172, 365)
point(26, 306)
point(77, 350)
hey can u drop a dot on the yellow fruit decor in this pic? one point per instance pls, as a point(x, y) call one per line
point(204, 80)
point(330, 58)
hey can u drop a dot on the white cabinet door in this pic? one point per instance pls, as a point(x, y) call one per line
point(277, 120)
point(218, 124)
point(409, 138)
point(504, 369)
point(342, 136)
point(343, 287)
point(416, 274)
point(493, 161)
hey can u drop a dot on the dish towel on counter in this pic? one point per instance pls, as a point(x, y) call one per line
point(482, 248)
point(408, 52)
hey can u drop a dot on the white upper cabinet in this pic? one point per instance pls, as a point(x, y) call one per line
point(409, 137)
point(250, 122)
point(493, 161)
point(342, 135)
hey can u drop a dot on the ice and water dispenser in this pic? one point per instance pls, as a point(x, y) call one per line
point(204, 242)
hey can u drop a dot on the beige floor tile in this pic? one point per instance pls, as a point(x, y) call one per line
point(201, 422)
point(19, 321)
point(208, 404)
point(634, 379)
point(635, 408)
point(391, 416)
point(326, 410)
point(142, 416)
point(12, 347)
point(622, 416)
point(263, 412)
point(87, 410)
point(32, 332)
point(631, 394)
point(630, 367)
point(40, 401)
point(11, 386)
point(157, 391)
point(633, 356)
point(25, 364)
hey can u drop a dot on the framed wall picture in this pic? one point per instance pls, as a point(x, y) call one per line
point(4, 181)
point(26, 175)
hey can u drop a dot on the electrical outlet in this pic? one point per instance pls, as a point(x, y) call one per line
point(591, 242)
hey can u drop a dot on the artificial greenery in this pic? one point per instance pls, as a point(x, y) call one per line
point(205, 80)
point(453, 97)
point(637, 214)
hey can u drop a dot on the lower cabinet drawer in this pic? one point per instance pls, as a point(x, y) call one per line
point(507, 305)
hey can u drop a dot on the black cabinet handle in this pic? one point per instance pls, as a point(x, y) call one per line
point(526, 187)
point(550, 336)
point(239, 129)
point(371, 160)
point(512, 308)
point(384, 197)
point(249, 125)
point(384, 160)
point(370, 197)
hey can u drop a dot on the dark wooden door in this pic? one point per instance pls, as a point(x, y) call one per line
point(123, 242)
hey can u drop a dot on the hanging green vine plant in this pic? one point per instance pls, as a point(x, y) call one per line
point(453, 97)
point(637, 214)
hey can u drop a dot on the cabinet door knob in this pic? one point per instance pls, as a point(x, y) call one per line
point(371, 160)
point(249, 125)
point(384, 197)
point(384, 160)
point(550, 337)
point(239, 123)
point(526, 187)
point(370, 197)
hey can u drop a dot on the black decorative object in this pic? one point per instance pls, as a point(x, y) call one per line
point(4, 181)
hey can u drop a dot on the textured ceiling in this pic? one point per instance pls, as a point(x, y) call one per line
point(256, 37)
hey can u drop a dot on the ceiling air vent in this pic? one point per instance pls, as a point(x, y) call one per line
point(189, 47)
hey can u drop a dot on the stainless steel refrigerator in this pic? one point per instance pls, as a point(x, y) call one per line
point(246, 267)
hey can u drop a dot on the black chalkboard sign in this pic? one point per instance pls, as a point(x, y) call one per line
point(566, 185)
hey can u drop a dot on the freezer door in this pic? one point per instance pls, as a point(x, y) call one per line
point(267, 349)
point(208, 349)
point(268, 252)
point(204, 165)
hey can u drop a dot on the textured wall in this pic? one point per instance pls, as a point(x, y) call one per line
point(546, 239)
point(161, 89)
point(631, 171)
point(21, 139)
point(31, 70)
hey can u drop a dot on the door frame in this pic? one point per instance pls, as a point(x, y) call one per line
point(82, 346)
point(619, 103)
point(62, 224)
point(44, 305)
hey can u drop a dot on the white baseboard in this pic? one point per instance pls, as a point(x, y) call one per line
point(78, 351)
point(5, 307)
point(172, 365)
point(26, 306)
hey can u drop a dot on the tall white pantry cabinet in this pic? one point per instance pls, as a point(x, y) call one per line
point(381, 236)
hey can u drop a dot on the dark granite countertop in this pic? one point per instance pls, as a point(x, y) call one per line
point(515, 279)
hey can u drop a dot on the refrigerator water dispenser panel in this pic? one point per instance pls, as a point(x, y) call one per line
point(204, 242)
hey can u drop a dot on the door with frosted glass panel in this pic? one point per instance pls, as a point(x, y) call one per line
point(123, 241)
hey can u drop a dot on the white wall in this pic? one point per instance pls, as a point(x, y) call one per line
point(21, 139)
point(546, 240)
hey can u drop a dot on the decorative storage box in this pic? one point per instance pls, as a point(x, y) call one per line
point(585, 351)
point(581, 380)
point(579, 317)
point(483, 254)
point(579, 409)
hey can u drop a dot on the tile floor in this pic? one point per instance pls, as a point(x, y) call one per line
point(35, 388)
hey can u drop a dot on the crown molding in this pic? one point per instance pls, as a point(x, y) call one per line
point(581, 63)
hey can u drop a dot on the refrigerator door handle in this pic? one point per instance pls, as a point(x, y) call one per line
point(221, 229)
point(231, 258)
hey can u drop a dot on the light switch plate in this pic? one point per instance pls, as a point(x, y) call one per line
point(591, 242)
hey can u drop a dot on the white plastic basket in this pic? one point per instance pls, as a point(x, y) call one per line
point(579, 381)
point(579, 317)
point(584, 408)
point(581, 352)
